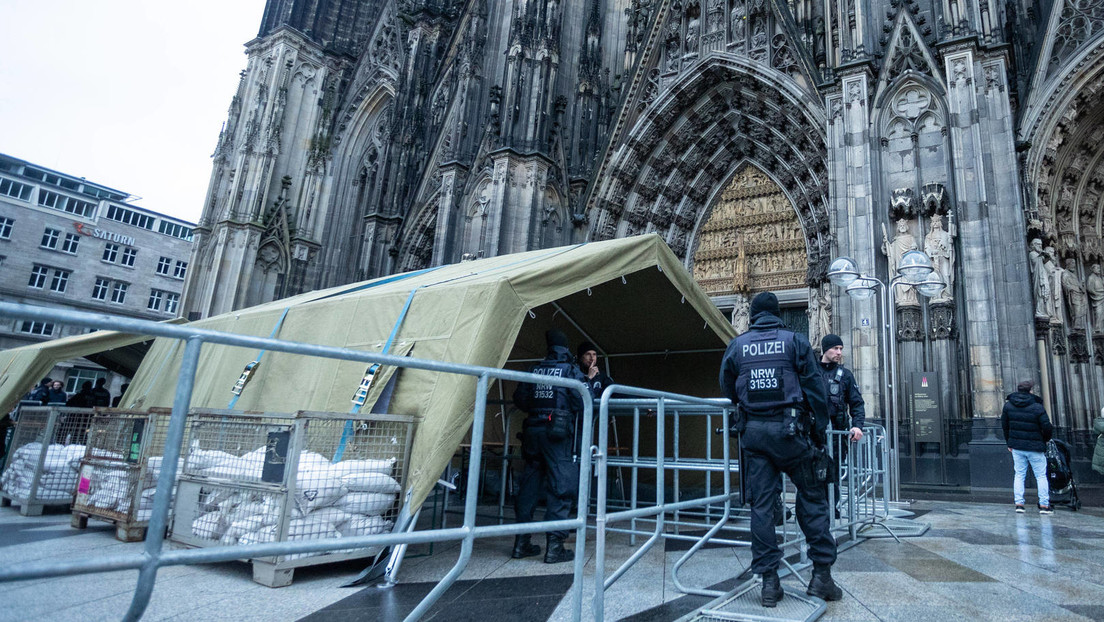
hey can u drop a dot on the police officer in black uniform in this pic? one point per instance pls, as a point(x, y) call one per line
point(843, 396)
point(547, 439)
point(771, 373)
point(596, 379)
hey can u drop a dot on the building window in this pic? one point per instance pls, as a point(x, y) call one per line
point(15, 189)
point(155, 298)
point(70, 244)
point(37, 328)
point(38, 277)
point(99, 290)
point(130, 217)
point(79, 376)
point(172, 302)
point(128, 256)
point(164, 266)
point(50, 238)
point(181, 268)
point(118, 293)
point(5, 228)
point(111, 252)
point(60, 281)
point(54, 200)
point(175, 230)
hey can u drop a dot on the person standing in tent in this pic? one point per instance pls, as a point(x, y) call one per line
point(546, 445)
point(588, 364)
point(100, 395)
point(772, 375)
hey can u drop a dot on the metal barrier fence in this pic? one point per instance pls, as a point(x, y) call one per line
point(864, 482)
point(153, 557)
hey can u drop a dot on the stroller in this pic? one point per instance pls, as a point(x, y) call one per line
point(1060, 475)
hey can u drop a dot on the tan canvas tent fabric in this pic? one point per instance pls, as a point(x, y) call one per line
point(21, 368)
point(630, 295)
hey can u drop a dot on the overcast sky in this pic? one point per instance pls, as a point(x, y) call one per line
point(130, 94)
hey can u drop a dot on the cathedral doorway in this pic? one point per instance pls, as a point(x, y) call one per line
point(751, 242)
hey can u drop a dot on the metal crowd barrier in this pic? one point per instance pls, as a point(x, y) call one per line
point(153, 557)
point(864, 487)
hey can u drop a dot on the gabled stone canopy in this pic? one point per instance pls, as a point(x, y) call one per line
point(692, 140)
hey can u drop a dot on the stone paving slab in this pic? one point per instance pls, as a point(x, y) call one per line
point(977, 562)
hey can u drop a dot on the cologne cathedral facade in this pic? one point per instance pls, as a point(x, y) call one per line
point(759, 138)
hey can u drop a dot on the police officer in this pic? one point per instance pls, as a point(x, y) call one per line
point(843, 395)
point(596, 380)
point(547, 438)
point(771, 373)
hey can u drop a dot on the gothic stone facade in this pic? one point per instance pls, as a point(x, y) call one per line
point(760, 138)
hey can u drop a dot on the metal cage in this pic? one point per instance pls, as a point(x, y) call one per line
point(119, 470)
point(44, 457)
point(271, 477)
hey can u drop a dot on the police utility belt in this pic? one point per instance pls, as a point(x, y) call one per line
point(774, 415)
point(558, 422)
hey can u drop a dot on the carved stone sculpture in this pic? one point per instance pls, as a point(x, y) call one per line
point(894, 249)
point(1075, 297)
point(1040, 279)
point(1054, 281)
point(939, 245)
point(1095, 289)
point(741, 313)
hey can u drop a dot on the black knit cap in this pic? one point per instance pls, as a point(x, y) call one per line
point(830, 341)
point(585, 347)
point(555, 337)
point(765, 301)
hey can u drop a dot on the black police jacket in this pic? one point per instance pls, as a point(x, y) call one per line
point(1025, 422)
point(807, 368)
point(538, 399)
point(849, 397)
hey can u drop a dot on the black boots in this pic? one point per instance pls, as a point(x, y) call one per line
point(556, 552)
point(523, 547)
point(772, 589)
point(821, 585)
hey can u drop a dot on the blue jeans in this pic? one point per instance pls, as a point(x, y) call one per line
point(1021, 459)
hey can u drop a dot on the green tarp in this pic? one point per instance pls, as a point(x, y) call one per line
point(630, 296)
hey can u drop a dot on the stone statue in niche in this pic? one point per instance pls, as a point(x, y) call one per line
point(1075, 297)
point(1054, 274)
point(894, 249)
point(939, 245)
point(1095, 289)
point(1040, 279)
point(824, 312)
point(741, 313)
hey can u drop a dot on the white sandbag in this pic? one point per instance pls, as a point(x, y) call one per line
point(365, 526)
point(233, 468)
point(346, 467)
point(260, 536)
point(311, 461)
point(210, 526)
point(310, 528)
point(369, 503)
point(199, 459)
point(371, 482)
point(242, 526)
point(314, 493)
point(104, 454)
point(332, 514)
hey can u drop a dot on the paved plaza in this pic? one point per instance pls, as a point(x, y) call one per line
point(979, 561)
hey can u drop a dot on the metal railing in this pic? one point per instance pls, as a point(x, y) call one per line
point(152, 558)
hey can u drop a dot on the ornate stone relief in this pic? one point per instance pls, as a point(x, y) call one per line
point(909, 324)
point(753, 240)
point(942, 320)
point(1080, 21)
point(1078, 347)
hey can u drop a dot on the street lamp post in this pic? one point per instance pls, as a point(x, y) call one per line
point(914, 270)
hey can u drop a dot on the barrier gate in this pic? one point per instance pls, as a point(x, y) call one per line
point(864, 489)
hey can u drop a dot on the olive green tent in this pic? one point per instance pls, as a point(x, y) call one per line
point(630, 296)
point(21, 368)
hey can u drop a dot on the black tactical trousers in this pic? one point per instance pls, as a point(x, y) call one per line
point(550, 463)
point(769, 452)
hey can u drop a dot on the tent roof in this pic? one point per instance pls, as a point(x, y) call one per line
point(21, 368)
point(630, 296)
